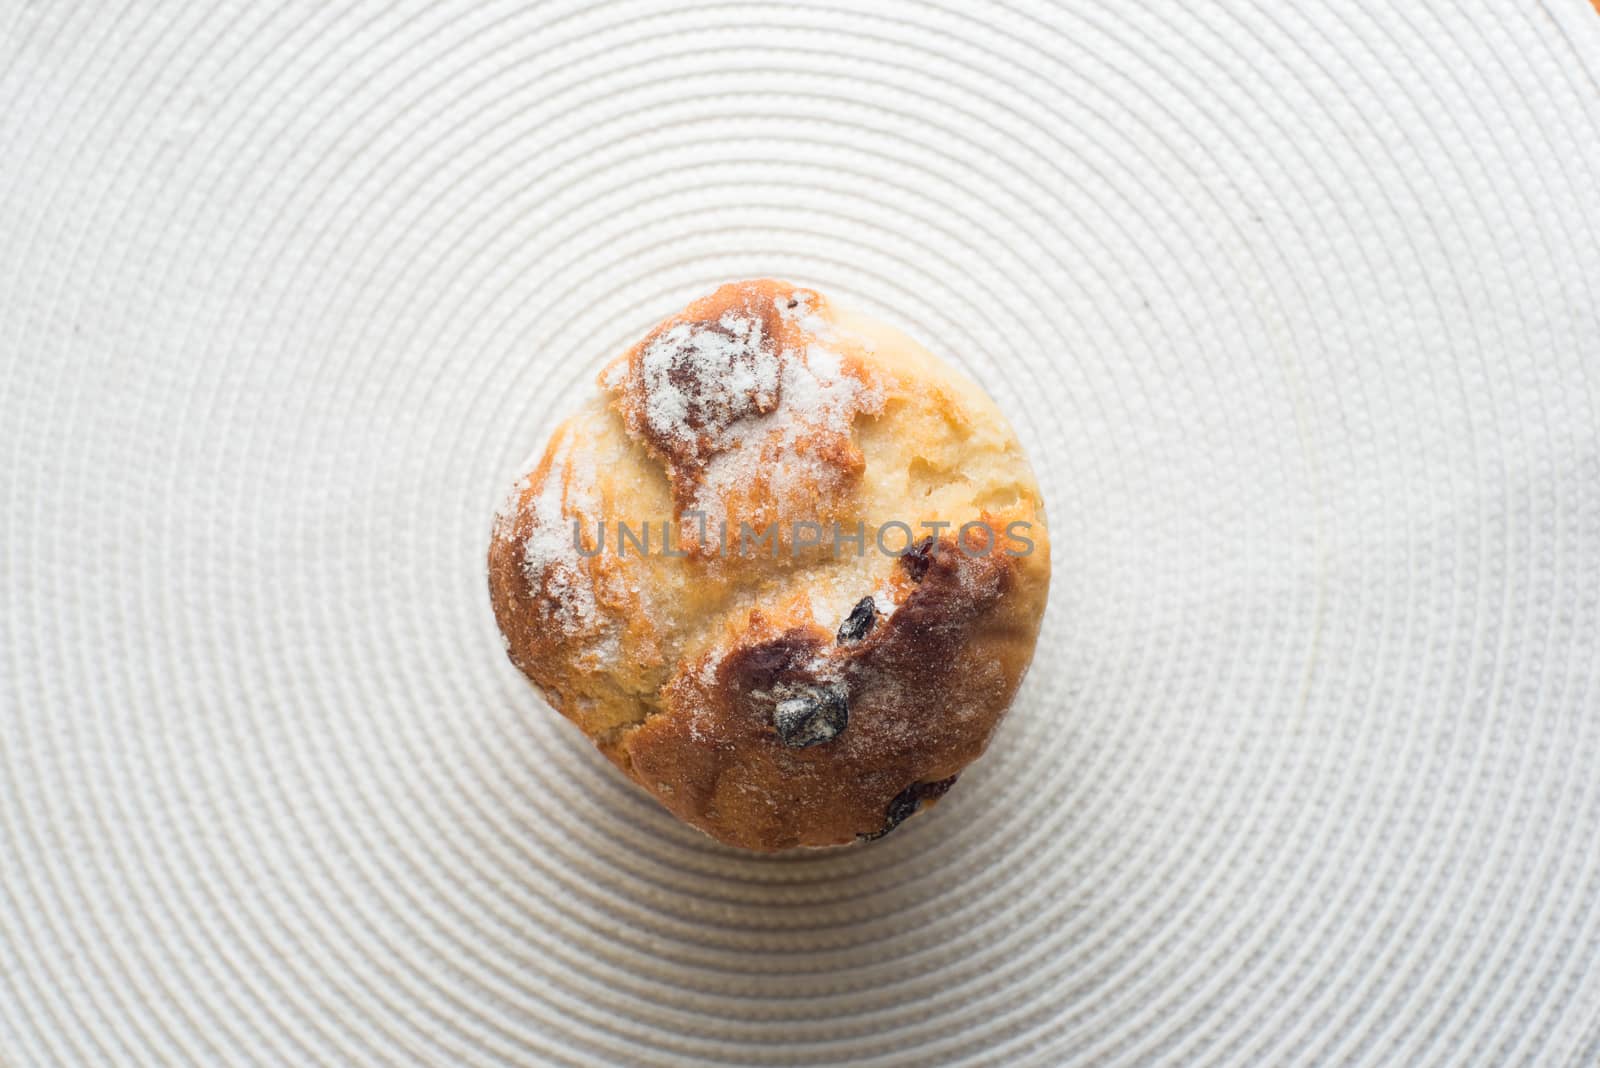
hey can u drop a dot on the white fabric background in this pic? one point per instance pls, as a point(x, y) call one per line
point(1296, 310)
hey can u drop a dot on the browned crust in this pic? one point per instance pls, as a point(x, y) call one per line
point(927, 687)
point(523, 606)
point(533, 609)
point(831, 461)
point(685, 457)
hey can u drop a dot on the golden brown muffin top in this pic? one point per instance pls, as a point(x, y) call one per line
point(790, 696)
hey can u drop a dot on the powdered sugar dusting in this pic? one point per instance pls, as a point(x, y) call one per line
point(749, 402)
point(818, 397)
point(800, 307)
point(702, 378)
point(550, 559)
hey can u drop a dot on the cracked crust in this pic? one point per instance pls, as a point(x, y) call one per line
point(762, 403)
point(747, 399)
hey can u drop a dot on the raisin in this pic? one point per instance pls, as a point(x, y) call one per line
point(760, 666)
point(907, 802)
point(858, 622)
point(811, 715)
point(917, 559)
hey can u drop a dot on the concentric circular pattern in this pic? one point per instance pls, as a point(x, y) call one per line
point(1294, 309)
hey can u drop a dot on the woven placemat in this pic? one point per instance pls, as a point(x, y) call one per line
point(1293, 305)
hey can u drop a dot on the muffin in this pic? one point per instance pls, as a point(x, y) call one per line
point(786, 570)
